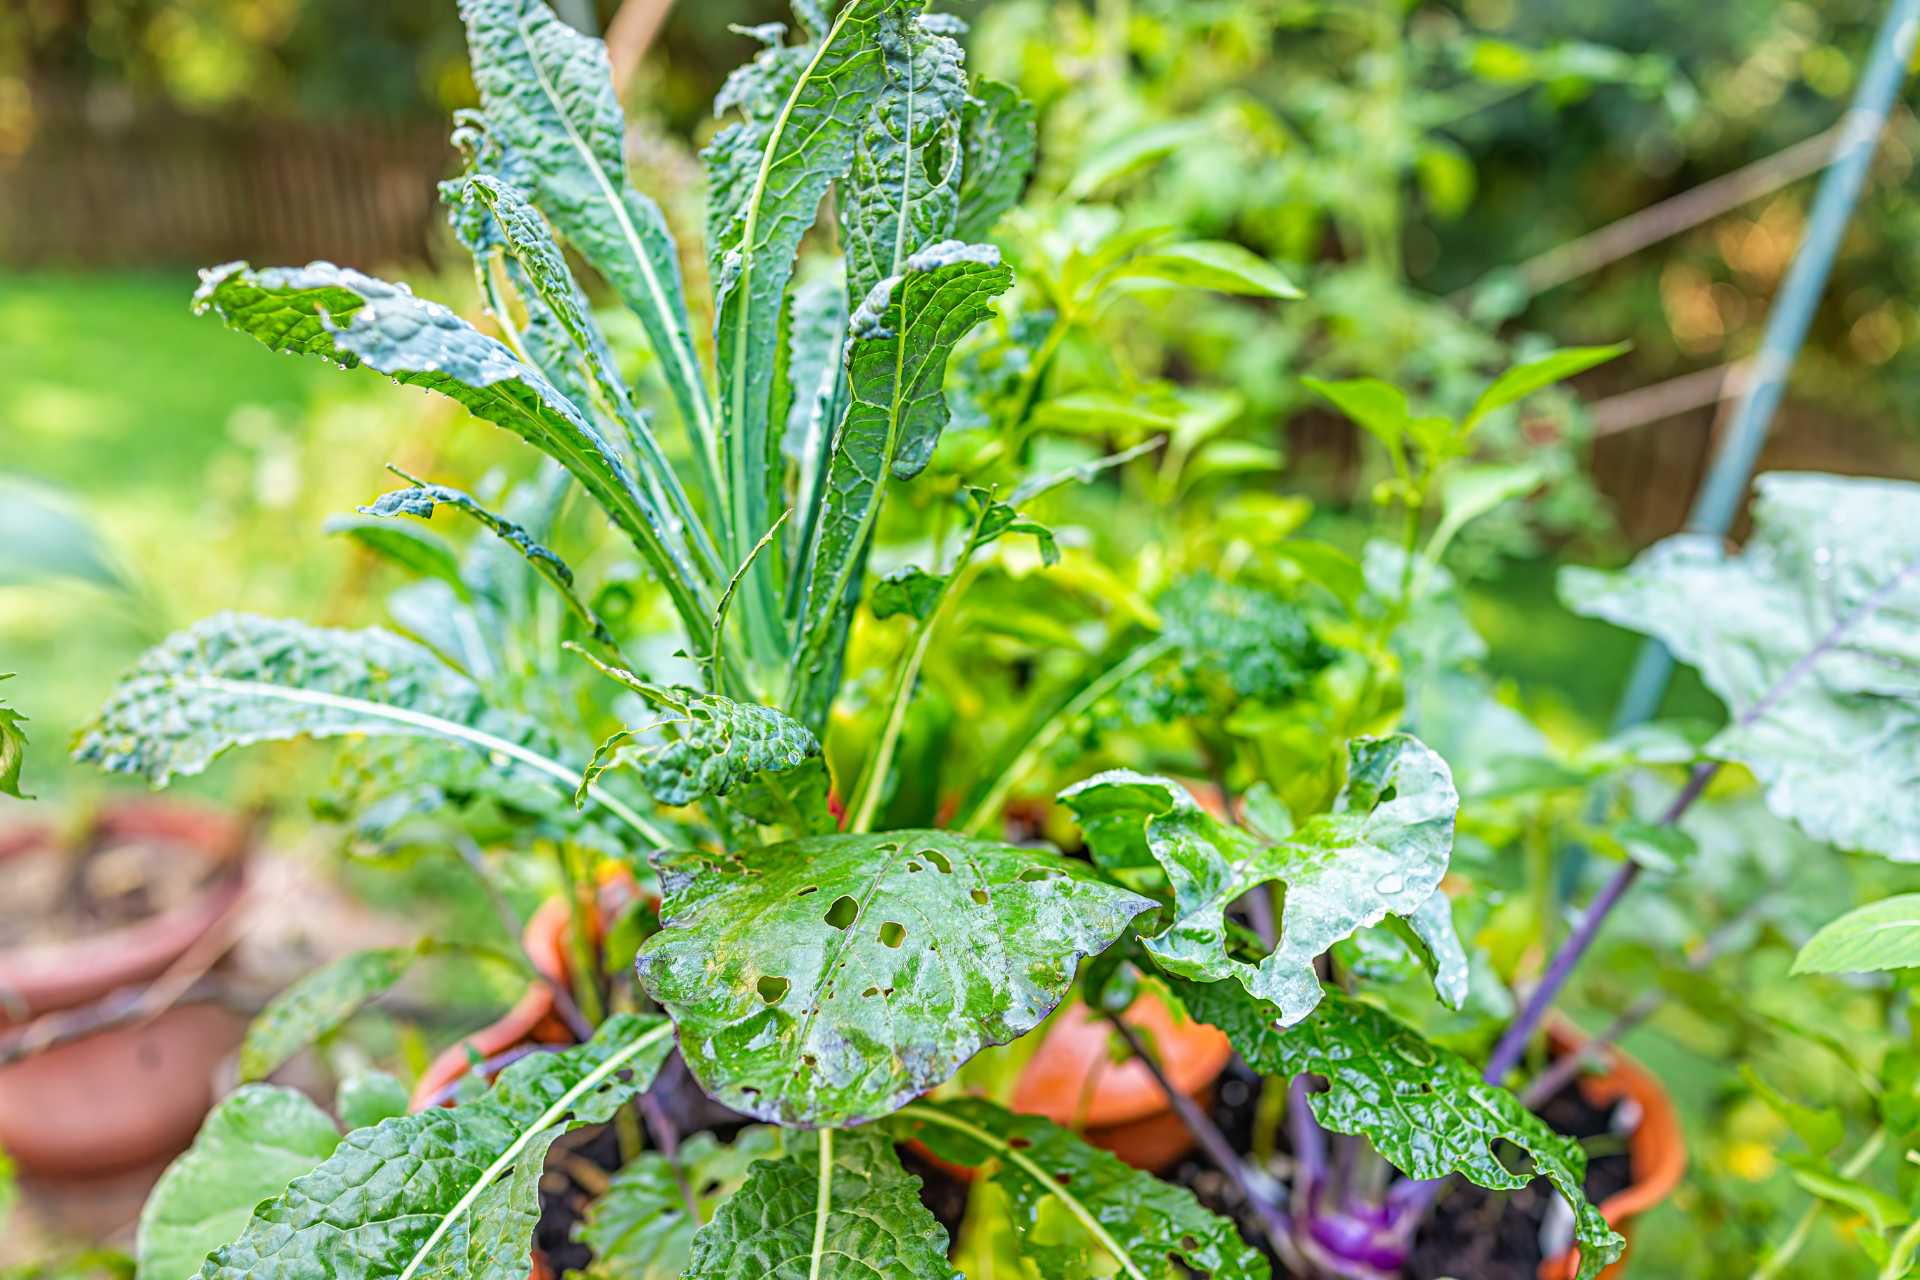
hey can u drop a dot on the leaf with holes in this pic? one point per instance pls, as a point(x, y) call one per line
point(830, 980)
point(1423, 1108)
point(1133, 1217)
point(1827, 588)
point(1382, 850)
point(450, 1191)
point(259, 1139)
point(642, 1228)
point(547, 93)
point(874, 1227)
point(320, 1004)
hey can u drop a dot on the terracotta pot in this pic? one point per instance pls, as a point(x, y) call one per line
point(134, 1095)
point(532, 1020)
point(1073, 1081)
point(1657, 1146)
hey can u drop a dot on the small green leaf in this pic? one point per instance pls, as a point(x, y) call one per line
point(368, 1098)
point(1383, 849)
point(419, 551)
point(641, 1229)
point(1879, 1208)
point(1377, 406)
point(1134, 1218)
point(1523, 380)
point(1881, 935)
point(911, 591)
point(424, 1194)
point(1327, 565)
point(1820, 1128)
point(1423, 1108)
point(318, 1005)
point(259, 1139)
point(1471, 492)
point(873, 1226)
point(1220, 265)
point(794, 798)
point(13, 748)
point(830, 980)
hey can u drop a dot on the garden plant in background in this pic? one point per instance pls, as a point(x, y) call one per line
point(904, 547)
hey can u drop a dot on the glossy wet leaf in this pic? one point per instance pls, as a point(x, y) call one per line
point(1881, 935)
point(250, 1147)
point(422, 498)
point(721, 743)
point(876, 1227)
point(547, 92)
point(902, 336)
point(998, 141)
point(641, 1228)
point(1383, 849)
point(13, 748)
point(829, 980)
point(1833, 565)
point(1131, 1216)
point(351, 318)
point(236, 678)
point(318, 1005)
point(1422, 1107)
point(372, 1207)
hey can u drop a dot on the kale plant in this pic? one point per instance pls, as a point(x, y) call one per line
point(810, 971)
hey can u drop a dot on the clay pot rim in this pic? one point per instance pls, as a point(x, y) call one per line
point(1659, 1141)
point(48, 976)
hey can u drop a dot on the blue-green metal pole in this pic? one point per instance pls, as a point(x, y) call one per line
point(1720, 495)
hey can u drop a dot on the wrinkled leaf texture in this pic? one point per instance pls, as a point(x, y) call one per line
point(371, 1206)
point(1423, 1108)
point(641, 1228)
point(1839, 750)
point(1145, 1221)
point(1382, 849)
point(830, 980)
point(876, 1227)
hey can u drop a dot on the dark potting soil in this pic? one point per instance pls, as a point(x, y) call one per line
point(1476, 1234)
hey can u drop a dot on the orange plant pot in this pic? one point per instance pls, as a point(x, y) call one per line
point(1073, 1081)
point(1657, 1147)
point(134, 1095)
point(532, 1020)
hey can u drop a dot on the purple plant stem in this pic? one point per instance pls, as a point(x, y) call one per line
point(1277, 1225)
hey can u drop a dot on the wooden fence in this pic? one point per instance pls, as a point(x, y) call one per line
point(169, 191)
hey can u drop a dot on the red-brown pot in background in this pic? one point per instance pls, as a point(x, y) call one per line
point(135, 1095)
point(1657, 1147)
point(532, 1019)
point(1072, 1080)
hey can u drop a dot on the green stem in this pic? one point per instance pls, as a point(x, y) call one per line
point(1797, 1238)
point(1049, 732)
point(1013, 1155)
point(1902, 1255)
point(822, 1205)
point(562, 1105)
